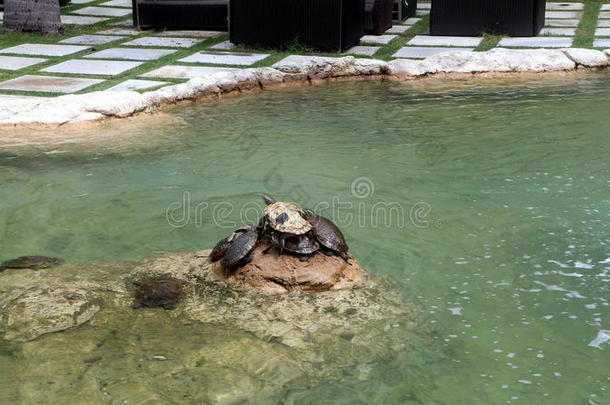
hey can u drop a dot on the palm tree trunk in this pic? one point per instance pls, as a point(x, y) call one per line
point(32, 15)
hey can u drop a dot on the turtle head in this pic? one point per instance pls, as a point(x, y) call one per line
point(268, 199)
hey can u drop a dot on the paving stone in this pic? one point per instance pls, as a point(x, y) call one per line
point(445, 41)
point(44, 49)
point(48, 84)
point(424, 6)
point(130, 53)
point(566, 32)
point(227, 45)
point(167, 42)
point(411, 21)
point(117, 3)
point(102, 11)
point(302, 59)
point(562, 23)
point(398, 29)
point(81, 1)
point(563, 14)
point(605, 7)
point(362, 50)
point(602, 32)
point(123, 23)
point(603, 23)
point(565, 6)
point(17, 62)
point(601, 43)
point(422, 13)
point(199, 34)
point(135, 84)
point(90, 39)
point(420, 52)
point(92, 67)
point(184, 72)
point(81, 20)
point(377, 39)
point(604, 14)
point(1, 15)
point(120, 31)
point(225, 58)
point(537, 42)
point(4, 97)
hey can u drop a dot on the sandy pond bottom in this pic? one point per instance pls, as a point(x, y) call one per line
point(486, 202)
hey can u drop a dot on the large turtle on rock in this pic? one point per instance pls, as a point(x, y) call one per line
point(243, 242)
point(328, 234)
point(285, 218)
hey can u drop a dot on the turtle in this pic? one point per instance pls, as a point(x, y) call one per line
point(161, 291)
point(242, 245)
point(285, 218)
point(302, 245)
point(30, 262)
point(220, 249)
point(328, 234)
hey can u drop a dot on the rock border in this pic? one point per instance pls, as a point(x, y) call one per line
point(101, 105)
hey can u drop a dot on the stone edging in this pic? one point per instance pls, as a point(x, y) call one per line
point(103, 104)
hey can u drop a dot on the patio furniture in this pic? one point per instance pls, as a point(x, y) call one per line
point(181, 14)
point(328, 25)
point(378, 16)
point(404, 9)
point(517, 18)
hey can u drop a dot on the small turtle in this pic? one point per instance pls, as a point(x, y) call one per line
point(302, 245)
point(328, 234)
point(162, 291)
point(242, 245)
point(220, 250)
point(30, 262)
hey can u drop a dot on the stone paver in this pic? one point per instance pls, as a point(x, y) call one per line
point(1, 15)
point(397, 29)
point(537, 42)
point(603, 23)
point(81, 1)
point(117, 3)
point(130, 53)
point(120, 31)
point(566, 32)
point(184, 72)
point(601, 43)
point(102, 11)
point(411, 21)
point(225, 58)
point(604, 14)
point(91, 39)
point(48, 84)
point(363, 50)
point(420, 52)
point(565, 6)
point(605, 7)
point(602, 32)
point(166, 42)
point(92, 67)
point(123, 23)
point(44, 49)
point(377, 39)
point(302, 59)
point(135, 84)
point(570, 23)
point(422, 13)
point(17, 62)
point(199, 34)
point(424, 6)
point(80, 20)
point(428, 40)
point(563, 14)
point(11, 97)
point(227, 45)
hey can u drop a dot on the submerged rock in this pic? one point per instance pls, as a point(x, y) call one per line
point(162, 291)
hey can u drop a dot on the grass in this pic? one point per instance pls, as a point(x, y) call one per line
point(583, 39)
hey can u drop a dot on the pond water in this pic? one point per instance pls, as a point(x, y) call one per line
point(487, 202)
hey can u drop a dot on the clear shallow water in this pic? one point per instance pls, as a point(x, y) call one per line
point(495, 192)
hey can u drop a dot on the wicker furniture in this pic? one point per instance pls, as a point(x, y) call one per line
point(329, 25)
point(404, 9)
point(181, 14)
point(517, 18)
point(378, 16)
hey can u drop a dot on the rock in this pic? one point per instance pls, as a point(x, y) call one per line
point(405, 69)
point(42, 310)
point(586, 57)
point(275, 273)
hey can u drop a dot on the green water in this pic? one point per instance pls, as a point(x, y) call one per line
point(486, 201)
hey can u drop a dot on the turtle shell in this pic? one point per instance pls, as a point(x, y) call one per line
point(242, 244)
point(220, 249)
point(162, 291)
point(30, 262)
point(287, 217)
point(327, 233)
point(301, 244)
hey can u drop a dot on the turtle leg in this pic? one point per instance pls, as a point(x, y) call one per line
point(345, 257)
point(328, 252)
point(247, 259)
point(304, 258)
point(282, 243)
point(267, 249)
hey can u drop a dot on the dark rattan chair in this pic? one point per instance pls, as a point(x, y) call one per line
point(328, 25)
point(517, 18)
point(181, 14)
point(378, 16)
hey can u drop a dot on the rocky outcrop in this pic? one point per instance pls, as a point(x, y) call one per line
point(99, 105)
point(274, 273)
